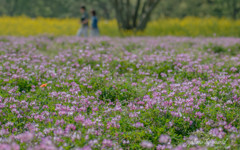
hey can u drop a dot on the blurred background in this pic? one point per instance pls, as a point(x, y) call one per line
point(122, 17)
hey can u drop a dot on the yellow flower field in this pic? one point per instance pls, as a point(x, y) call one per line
point(189, 26)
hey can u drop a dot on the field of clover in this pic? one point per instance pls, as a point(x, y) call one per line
point(119, 93)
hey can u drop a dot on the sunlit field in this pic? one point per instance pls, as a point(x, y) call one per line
point(118, 93)
point(190, 26)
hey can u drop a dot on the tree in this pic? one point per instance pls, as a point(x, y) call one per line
point(133, 15)
point(235, 9)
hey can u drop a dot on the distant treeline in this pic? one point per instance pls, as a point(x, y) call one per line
point(165, 8)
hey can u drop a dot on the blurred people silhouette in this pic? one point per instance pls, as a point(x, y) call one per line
point(83, 31)
point(94, 26)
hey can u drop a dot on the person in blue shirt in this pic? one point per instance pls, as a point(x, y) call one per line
point(94, 30)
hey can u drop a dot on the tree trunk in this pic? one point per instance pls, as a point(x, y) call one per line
point(135, 17)
point(235, 9)
point(13, 8)
point(146, 14)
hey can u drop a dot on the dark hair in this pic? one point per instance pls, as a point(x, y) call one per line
point(93, 12)
point(83, 7)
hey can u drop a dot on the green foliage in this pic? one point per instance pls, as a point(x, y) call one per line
point(22, 84)
point(170, 8)
point(119, 92)
point(53, 8)
point(218, 49)
point(203, 8)
point(132, 46)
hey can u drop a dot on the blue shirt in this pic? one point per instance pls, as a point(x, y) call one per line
point(94, 22)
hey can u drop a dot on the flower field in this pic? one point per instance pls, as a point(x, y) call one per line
point(189, 26)
point(119, 93)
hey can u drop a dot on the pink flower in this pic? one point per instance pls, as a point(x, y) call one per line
point(165, 139)
point(146, 144)
point(79, 118)
point(138, 125)
point(12, 146)
point(217, 132)
point(233, 69)
point(70, 127)
point(25, 137)
point(88, 123)
point(107, 143)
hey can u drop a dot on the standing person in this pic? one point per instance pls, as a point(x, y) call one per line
point(94, 31)
point(84, 21)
